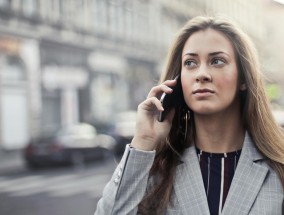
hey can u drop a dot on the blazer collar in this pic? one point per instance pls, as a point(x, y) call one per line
point(250, 150)
point(247, 181)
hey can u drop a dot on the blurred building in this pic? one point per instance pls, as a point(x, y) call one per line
point(274, 46)
point(68, 61)
point(76, 60)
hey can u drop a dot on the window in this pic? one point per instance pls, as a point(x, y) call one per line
point(4, 3)
point(30, 7)
point(101, 15)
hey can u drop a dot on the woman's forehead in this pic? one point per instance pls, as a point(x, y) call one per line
point(208, 41)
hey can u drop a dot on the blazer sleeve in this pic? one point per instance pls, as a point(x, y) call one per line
point(127, 186)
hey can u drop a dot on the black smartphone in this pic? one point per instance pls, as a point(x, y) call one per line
point(170, 100)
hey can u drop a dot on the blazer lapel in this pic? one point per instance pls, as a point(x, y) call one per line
point(247, 181)
point(189, 186)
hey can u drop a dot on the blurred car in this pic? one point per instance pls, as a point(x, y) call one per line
point(123, 130)
point(74, 145)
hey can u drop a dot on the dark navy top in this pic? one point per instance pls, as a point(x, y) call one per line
point(217, 171)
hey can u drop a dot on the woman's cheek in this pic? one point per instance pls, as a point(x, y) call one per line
point(186, 95)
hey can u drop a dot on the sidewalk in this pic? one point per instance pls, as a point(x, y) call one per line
point(11, 162)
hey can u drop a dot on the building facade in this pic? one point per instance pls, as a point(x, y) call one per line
point(70, 61)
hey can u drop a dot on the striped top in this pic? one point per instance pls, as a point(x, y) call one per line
point(217, 171)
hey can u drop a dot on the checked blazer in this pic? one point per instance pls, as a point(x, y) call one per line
point(255, 190)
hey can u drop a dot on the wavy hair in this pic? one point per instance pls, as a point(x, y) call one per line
point(256, 115)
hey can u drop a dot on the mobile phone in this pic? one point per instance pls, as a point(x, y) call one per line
point(171, 100)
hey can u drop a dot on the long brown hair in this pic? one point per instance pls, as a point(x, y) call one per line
point(257, 117)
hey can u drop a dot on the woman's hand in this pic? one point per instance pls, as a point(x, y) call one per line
point(149, 131)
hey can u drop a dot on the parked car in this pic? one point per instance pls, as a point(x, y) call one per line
point(74, 144)
point(123, 130)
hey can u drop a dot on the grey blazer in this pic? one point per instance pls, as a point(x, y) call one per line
point(256, 188)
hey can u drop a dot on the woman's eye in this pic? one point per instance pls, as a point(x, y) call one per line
point(218, 62)
point(189, 63)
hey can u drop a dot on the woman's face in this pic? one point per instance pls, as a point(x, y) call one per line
point(209, 73)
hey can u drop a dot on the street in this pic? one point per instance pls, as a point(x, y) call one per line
point(61, 190)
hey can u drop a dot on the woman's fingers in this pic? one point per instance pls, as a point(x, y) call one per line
point(151, 104)
point(149, 131)
point(164, 87)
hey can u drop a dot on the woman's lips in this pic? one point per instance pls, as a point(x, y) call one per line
point(202, 93)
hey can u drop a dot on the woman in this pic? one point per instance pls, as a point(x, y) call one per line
point(219, 151)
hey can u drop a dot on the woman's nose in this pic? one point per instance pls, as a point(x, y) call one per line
point(203, 74)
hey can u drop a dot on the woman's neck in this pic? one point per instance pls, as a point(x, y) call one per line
point(219, 134)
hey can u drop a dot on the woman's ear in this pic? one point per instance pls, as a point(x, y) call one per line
point(243, 87)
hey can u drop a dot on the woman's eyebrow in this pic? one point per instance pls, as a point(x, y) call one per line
point(191, 54)
point(210, 54)
point(217, 53)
